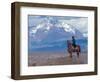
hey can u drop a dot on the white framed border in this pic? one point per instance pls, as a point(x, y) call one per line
point(25, 70)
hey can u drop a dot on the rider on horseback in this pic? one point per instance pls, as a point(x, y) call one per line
point(73, 42)
point(73, 47)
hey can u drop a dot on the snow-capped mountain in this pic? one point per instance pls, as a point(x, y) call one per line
point(50, 31)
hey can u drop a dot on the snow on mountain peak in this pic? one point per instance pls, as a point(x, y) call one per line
point(47, 25)
point(68, 28)
point(44, 26)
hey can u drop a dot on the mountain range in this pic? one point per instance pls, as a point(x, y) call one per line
point(51, 34)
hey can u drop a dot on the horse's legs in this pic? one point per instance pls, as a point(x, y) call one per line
point(78, 51)
point(78, 58)
point(78, 54)
point(70, 55)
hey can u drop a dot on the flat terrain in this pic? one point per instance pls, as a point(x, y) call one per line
point(44, 59)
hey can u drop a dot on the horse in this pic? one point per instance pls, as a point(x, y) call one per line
point(72, 49)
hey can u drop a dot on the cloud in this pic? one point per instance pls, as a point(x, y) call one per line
point(34, 20)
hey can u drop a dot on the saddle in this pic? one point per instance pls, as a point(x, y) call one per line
point(74, 49)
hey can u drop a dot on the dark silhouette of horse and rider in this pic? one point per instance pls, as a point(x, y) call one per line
point(73, 47)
